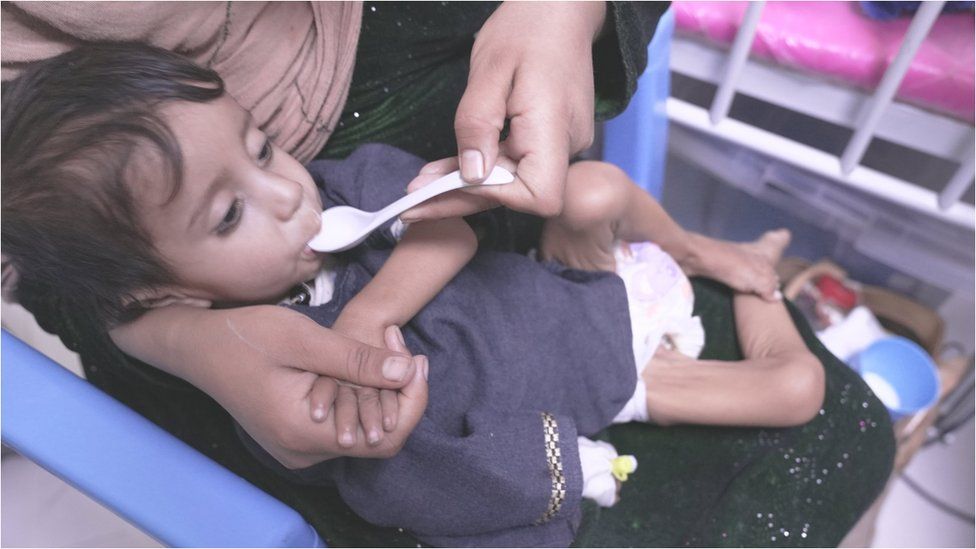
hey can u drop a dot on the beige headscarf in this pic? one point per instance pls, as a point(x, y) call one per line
point(289, 63)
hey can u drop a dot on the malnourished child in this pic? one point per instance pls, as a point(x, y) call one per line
point(131, 180)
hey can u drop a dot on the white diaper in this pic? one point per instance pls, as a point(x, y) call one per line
point(661, 301)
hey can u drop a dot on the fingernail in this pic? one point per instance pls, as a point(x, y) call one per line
point(399, 335)
point(472, 164)
point(373, 437)
point(388, 423)
point(346, 439)
point(425, 366)
point(778, 295)
point(395, 368)
point(318, 414)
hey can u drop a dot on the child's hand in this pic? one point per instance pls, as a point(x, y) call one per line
point(260, 364)
point(356, 410)
point(748, 267)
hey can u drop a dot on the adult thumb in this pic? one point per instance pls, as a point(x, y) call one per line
point(331, 353)
point(478, 123)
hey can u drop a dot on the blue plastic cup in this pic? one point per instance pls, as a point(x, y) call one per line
point(900, 373)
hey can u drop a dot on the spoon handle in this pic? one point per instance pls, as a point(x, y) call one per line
point(450, 182)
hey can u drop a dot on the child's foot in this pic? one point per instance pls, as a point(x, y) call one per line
point(770, 245)
point(747, 267)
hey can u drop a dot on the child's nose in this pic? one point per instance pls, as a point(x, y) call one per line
point(285, 196)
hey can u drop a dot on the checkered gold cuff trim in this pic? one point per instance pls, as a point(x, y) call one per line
point(554, 460)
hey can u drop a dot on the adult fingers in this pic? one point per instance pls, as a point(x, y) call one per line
point(411, 400)
point(370, 414)
point(327, 352)
point(393, 338)
point(388, 404)
point(480, 115)
point(543, 158)
point(543, 152)
point(321, 397)
point(453, 204)
point(431, 172)
point(346, 416)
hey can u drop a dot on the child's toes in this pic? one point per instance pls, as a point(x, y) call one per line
point(772, 244)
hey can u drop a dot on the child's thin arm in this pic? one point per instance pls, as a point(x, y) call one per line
point(425, 260)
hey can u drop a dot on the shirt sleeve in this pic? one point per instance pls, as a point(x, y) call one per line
point(620, 53)
point(512, 480)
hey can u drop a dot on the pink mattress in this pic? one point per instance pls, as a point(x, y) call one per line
point(837, 40)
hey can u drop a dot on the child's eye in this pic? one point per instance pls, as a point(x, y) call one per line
point(267, 151)
point(231, 218)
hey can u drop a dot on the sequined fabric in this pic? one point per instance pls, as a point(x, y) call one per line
point(706, 486)
point(412, 68)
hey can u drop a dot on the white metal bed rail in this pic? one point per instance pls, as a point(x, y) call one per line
point(869, 116)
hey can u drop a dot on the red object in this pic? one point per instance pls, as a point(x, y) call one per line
point(835, 291)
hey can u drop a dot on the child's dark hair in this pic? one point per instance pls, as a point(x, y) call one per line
point(71, 127)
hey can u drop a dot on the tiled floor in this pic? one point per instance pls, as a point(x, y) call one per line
point(945, 470)
point(38, 510)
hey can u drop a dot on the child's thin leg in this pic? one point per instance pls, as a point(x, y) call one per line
point(602, 205)
point(780, 383)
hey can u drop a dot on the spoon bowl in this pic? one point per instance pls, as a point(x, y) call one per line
point(343, 227)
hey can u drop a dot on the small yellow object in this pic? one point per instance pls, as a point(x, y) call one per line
point(621, 466)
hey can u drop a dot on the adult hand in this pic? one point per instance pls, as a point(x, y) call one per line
point(261, 364)
point(532, 64)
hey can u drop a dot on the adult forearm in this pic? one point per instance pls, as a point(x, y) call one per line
point(169, 339)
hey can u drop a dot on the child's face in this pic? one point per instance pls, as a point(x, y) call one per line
point(237, 230)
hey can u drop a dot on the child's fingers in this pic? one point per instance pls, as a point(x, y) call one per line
point(370, 414)
point(389, 405)
point(346, 416)
point(440, 167)
point(452, 204)
point(321, 397)
point(769, 286)
point(394, 339)
point(431, 172)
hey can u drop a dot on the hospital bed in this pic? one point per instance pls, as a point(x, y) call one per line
point(182, 498)
point(859, 96)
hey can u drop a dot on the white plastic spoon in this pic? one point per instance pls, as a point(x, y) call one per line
point(344, 226)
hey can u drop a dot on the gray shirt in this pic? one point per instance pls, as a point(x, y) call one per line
point(524, 356)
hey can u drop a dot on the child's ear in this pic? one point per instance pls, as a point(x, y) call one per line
point(163, 297)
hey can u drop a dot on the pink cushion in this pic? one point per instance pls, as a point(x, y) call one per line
point(837, 40)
